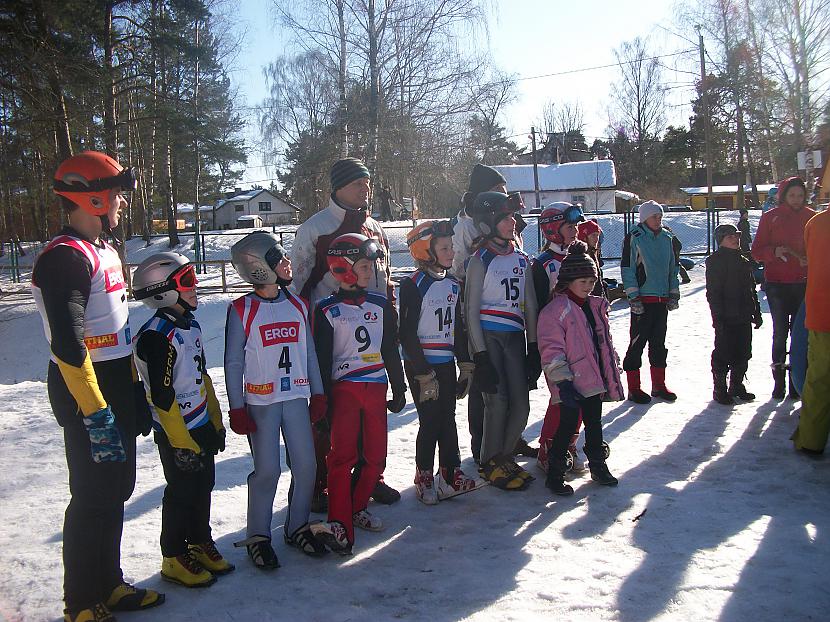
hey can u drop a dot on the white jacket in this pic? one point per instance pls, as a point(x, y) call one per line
point(325, 224)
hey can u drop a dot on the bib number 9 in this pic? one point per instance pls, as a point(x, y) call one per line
point(361, 335)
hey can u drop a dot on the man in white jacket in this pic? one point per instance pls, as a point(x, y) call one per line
point(347, 212)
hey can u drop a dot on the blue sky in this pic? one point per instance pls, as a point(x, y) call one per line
point(526, 38)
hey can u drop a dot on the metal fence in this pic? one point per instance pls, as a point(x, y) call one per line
point(694, 229)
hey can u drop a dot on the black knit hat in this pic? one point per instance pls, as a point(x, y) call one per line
point(483, 178)
point(576, 265)
point(345, 171)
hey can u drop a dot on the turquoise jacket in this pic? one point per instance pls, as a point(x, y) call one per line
point(649, 264)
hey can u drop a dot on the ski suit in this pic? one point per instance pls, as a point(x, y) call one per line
point(79, 290)
point(432, 334)
point(170, 359)
point(500, 309)
point(355, 334)
point(271, 367)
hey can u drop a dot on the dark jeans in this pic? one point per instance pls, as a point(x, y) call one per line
point(475, 420)
point(185, 507)
point(784, 300)
point(436, 420)
point(591, 408)
point(733, 346)
point(94, 518)
point(649, 327)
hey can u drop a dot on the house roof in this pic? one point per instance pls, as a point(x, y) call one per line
point(570, 176)
point(252, 194)
point(725, 189)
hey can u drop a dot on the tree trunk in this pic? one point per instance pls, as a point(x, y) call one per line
point(110, 132)
point(341, 80)
point(374, 90)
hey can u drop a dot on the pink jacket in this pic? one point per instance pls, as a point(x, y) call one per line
point(568, 353)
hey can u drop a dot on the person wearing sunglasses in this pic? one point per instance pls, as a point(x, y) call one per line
point(79, 288)
point(347, 212)
point(170, 359)
point(730, 290)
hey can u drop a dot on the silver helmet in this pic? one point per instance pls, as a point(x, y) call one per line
point(152, 284)
point(256, 256)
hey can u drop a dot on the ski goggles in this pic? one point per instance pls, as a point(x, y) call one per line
point(438, 229)
point(126, 180)
point(514, 202)
point(275, 255)
point(185, 279)
point(572, 215)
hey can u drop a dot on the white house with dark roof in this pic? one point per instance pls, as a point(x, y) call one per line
point(272, 209)
point(592, 183)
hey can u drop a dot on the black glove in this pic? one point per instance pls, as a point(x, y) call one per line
point(143, 415)
point(397, 402)
point(568, 394)
point(758, 321)
point(485, 376)
point(214, 442)
point(187, 460)
point(533, 365)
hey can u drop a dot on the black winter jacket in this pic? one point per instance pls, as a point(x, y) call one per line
point(730, 288)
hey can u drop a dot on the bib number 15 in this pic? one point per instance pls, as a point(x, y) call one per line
point(511, 288)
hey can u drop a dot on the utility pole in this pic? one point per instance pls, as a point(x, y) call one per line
point(535, 168)
point(707, 136)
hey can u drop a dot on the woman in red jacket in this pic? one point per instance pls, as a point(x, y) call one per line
point(779, 244)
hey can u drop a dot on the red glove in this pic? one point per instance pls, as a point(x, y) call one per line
point(318, 407)
point(241, 421)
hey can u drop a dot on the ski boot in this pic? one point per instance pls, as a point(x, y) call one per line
point(385, 494)
point(425, 488)
point(304, 540)
point(367, 521)
point(452, 481)
point(499, 473)
point(97, 613)
point(542, 458)
point(523, 449)
point(126, 597)
point(260, 551)
point(576, 465)
point(207, 555)
point(185, 570)
point(333, 535)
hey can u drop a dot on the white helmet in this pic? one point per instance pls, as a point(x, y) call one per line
point(152, 282)
point(255, 258)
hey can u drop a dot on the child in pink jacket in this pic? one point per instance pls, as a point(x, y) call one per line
point(581, 365)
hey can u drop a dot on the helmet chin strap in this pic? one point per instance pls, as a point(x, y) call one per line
point(185, 305)
point(284, 282)
point(117, 242)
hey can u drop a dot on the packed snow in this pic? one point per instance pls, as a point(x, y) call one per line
point(715, 517)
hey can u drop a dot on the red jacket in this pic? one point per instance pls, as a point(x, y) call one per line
point(782, 226)
point(817, 236)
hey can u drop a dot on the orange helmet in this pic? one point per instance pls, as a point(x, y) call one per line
point(87, 178)
point(419, 240)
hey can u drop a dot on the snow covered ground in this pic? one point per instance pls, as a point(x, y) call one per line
point(715, 517)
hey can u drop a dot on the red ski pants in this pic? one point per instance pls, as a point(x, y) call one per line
point(551, 424)
point(358, 414)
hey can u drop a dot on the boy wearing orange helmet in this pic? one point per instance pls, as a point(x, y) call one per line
point(432, 336)
point(355, 335)
point(78, 286)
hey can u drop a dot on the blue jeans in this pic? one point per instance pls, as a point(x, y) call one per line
point(784, 300)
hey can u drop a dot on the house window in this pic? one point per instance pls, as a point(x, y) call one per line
point(238, 207)
point(265, 206)
point(578, 198)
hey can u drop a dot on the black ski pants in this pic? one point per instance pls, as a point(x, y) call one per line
point(94, 518)
point(436, 420)
point(733, 346)
point(648, 327)
point(185, 507)
point(784, 300)
point(591, 408)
